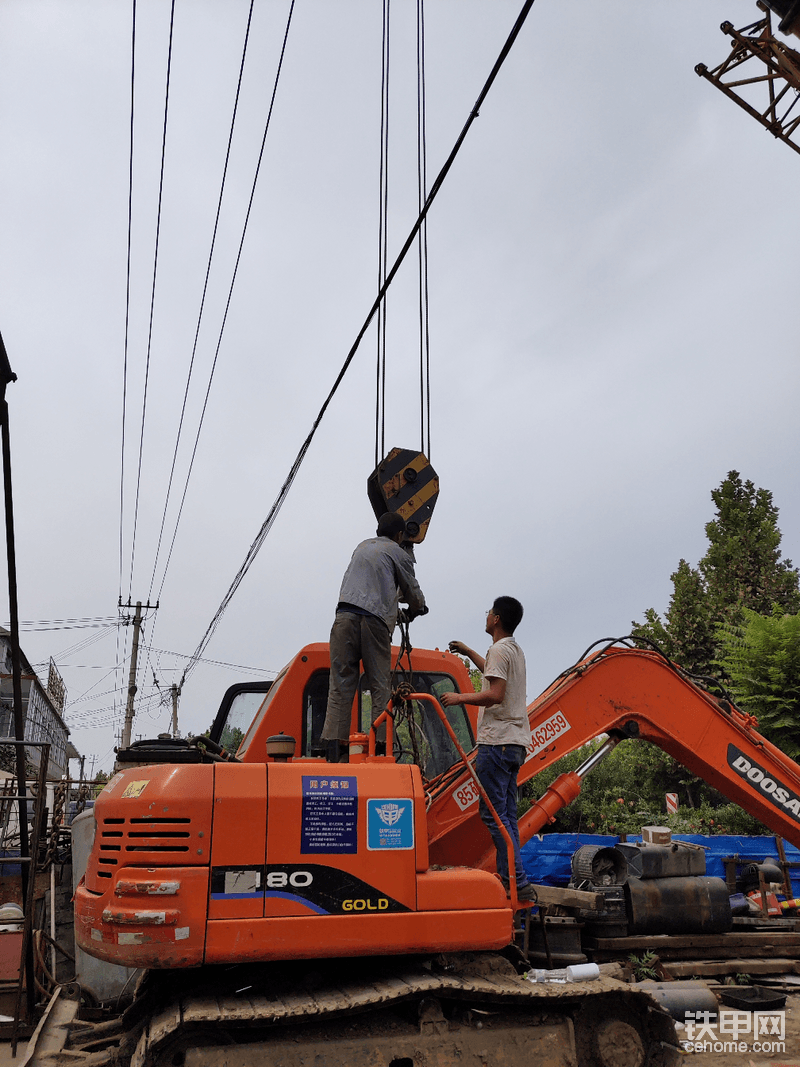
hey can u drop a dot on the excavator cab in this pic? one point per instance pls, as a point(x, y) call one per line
point(295, 704)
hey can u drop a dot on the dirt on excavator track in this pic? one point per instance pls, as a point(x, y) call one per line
point(467, 1010)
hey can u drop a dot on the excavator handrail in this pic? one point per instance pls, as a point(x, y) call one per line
point(516, 903)
point(388, 718)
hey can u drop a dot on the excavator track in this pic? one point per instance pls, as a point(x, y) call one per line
point(467, 1010)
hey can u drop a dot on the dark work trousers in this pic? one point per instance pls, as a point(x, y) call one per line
point(496, 766)
point(356, 638)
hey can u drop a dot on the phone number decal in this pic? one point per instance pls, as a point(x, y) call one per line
point(547, 731)
point(466, 795)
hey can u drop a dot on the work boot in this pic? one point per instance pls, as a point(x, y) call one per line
point(338, 752)
point(527, 892)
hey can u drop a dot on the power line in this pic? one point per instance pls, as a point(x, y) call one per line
point(67, 624)
point(203, 298)
point(152, 294)
point(127, 306)
point(230, 292)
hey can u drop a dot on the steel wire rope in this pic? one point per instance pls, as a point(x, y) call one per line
point(230, 294)
point(295, 467)
point(383, 238)
point(205, 291)
point(152, 296)
point(422, 182)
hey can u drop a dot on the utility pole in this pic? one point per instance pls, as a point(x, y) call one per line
point(137, 626)
point(175, 691)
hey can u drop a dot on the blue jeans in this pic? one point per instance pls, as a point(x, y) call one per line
point(497, 767)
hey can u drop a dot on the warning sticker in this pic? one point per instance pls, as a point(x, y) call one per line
point(330, 814)
point(135, 789)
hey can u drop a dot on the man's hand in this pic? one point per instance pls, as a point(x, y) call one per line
point(458, 648)
point(449, 699)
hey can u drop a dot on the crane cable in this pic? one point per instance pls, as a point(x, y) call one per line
point(422, 181)
point(383, 238)
point(415, 229)
point(383, 223)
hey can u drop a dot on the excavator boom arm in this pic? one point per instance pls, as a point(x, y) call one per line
point(634, 694)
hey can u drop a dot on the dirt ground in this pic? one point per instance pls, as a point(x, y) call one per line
point(788, 1057)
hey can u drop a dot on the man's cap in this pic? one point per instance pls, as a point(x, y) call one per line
point(390, 524)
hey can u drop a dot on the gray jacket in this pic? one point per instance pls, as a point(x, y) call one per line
point(379, 575)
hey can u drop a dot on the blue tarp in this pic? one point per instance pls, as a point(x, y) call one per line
point(546, 858)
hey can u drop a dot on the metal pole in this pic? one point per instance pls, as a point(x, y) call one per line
point(6, 376)
point(174, 691)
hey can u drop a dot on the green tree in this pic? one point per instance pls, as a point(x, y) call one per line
point(100, 780)
point(761, 656)
point(742, 569)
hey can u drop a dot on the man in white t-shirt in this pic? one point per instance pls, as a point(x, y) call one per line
point(504, 731)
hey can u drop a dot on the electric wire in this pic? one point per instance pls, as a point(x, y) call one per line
point(87, 642)
point(230, 291)
point(152, 295)
point(41, 625)
point(127, 306)
point(120, 640)
point(205, 291)
point(295, 467)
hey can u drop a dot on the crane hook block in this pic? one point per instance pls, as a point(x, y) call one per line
point(405, 482)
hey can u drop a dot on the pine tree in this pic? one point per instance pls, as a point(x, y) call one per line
point(742, 569)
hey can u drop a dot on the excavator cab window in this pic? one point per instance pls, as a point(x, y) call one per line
point(419, 734)
point(236, 712)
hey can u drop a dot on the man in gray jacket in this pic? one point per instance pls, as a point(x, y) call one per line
point(381, 573)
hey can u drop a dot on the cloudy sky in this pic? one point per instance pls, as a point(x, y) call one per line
point(613, 322)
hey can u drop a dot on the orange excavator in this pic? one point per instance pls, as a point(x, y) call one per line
point(279, 902)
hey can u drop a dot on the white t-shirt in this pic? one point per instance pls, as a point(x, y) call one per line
point(505, 723)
